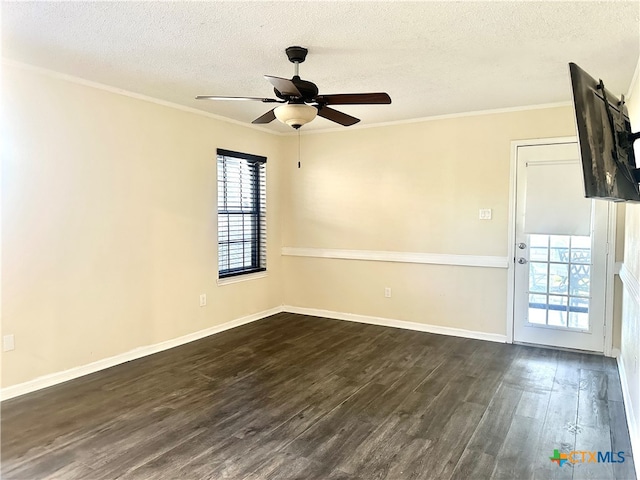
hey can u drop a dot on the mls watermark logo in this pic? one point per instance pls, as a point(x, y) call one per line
point(585, 456)
point(559, 458)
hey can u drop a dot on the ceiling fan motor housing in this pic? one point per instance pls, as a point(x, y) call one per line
point(296, 54)
point(309, 90)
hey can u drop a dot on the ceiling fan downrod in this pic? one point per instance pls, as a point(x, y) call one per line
point(296, 55)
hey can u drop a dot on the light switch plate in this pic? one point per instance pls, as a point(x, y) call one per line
point(485, 214)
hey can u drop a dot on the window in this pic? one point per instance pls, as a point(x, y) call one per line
point(560, 280)
point(242, 239)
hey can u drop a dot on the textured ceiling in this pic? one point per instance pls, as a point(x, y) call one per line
point(433, 58)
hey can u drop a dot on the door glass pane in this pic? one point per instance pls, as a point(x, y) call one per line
point(558, 278)
point(581, 250)
point(580, 280)
point(539, 254)
point(538, 309)
point(559, 248)
point(539, 248)
point(558, 310)
point(538, 277)
point(579, 313)
point(559, 281)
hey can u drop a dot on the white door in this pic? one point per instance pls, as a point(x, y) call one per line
point(560, 252)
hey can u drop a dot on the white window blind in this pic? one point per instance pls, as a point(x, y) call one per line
point(242, 232)
point(554, 200)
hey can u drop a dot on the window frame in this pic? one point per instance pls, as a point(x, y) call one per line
point(258, 213)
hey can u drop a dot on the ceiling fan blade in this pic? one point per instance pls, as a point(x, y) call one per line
point(284, 86)
point(219, 97)
point(336, 116)
point(266, 118)
point(354, 99)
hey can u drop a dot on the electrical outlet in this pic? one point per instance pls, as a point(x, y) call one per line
point(485, 214)
point(387, 292)
point(8, 343)
point(203, 299)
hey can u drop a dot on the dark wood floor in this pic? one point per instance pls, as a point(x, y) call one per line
point(309, 398)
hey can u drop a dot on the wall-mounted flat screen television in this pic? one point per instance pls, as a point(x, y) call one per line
point(605, 140)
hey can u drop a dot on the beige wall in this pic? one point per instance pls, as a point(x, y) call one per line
point(630, 335)
point(109, 221)
point(109, 226)
point(409, 188)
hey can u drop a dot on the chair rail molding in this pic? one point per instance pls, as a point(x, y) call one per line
point(630, 282)
point(486, 261)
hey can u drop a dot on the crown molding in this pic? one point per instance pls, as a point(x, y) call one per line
point(120, 91)
point(476, 113)
point(138, 96)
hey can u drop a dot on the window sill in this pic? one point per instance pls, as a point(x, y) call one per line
point(241, 278)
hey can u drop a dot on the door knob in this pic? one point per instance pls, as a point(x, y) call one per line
point(522, 246)
point(522, 261)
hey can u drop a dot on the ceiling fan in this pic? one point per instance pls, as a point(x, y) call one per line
point(300, 99)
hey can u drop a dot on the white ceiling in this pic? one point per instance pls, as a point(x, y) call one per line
point(433, 58)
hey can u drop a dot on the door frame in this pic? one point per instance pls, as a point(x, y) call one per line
point(611, 243)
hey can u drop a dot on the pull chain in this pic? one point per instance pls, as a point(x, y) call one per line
point(298, 148)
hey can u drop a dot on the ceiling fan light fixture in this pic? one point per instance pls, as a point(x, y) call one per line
point(296, 94)
point(295, 114)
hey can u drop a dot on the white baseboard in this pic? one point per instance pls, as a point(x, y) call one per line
point(634, 428)
point(390, 322)
point(66, 375)
point(631, 293)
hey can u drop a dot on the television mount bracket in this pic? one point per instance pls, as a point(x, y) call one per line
point(625, 139)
